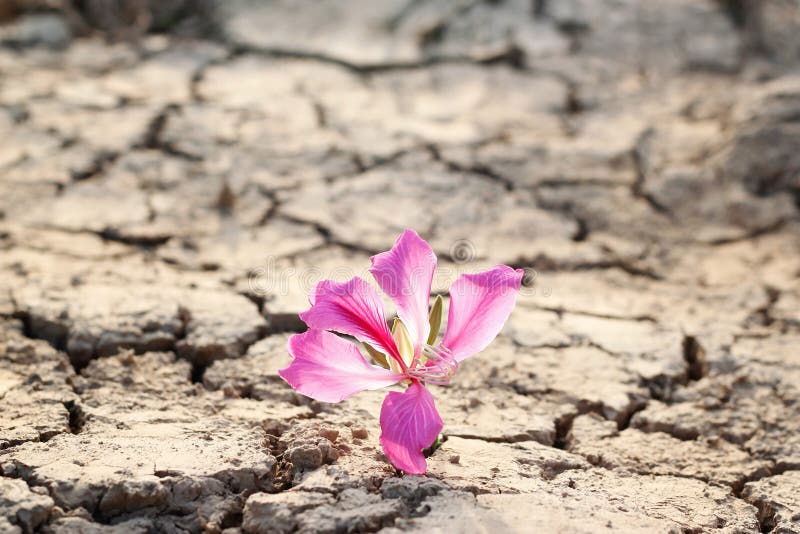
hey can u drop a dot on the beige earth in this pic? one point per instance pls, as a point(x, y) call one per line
point(168, 200)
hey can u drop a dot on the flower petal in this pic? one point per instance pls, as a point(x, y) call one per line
point(409, 424)
point(405, 274)
point(353, 308)
point(479, 307)
point(328, 368)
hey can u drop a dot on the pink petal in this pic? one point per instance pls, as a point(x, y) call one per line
point(405, 274)
point(409, 424)
point(353, 308)
point(328, 368)
point(479, 307)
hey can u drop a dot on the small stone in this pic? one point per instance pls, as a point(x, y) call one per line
point(305, 457)
point(330, 434)
point(359, 432)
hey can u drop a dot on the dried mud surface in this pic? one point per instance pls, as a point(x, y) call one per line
point(166, 205)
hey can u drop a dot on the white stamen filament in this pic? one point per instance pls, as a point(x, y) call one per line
point(437, 366)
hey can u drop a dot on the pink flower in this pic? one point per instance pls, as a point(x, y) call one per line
point(329, 368)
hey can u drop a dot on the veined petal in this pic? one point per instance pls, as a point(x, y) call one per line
point(353, 308)
point(409, 424)
point(405, 274)
point(479, 307)
point(328, 368)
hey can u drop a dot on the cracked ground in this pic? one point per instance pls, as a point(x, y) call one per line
point(167, 202)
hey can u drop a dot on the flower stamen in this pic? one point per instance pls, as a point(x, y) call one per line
point(437, 366)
